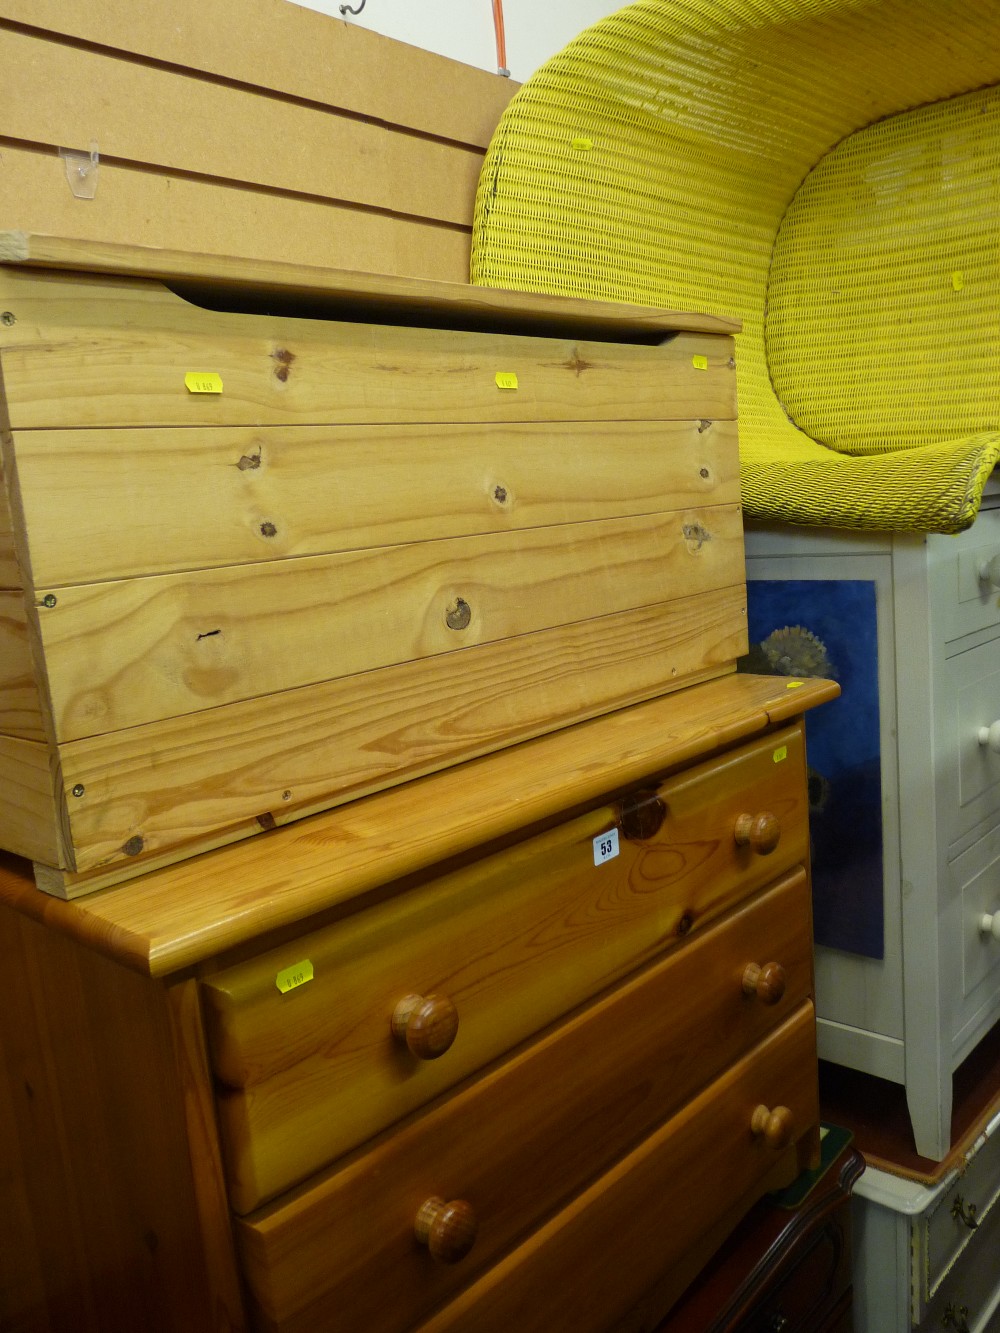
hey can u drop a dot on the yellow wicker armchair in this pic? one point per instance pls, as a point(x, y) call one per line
point(826, 170)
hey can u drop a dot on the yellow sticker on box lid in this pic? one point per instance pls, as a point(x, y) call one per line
point(795, 685)
point(296, 975)
point(203, 381)
point(700, 362)
point(780, 753)
point(506, 379)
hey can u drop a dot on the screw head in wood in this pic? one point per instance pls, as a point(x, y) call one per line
point(8, 317)
point(79, 789)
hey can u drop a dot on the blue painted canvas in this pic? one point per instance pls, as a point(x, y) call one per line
point(828, 628)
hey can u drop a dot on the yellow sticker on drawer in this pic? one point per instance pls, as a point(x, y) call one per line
point(780, 753)
point(700, 362)
point(506, 379)
point(203, 381)
point(297, 975)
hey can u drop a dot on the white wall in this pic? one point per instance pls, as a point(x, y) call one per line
point(463, 29)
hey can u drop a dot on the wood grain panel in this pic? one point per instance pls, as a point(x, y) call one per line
point(20, 704)
point(367, 296)
point(639, 1219)
point(10, 574)
point(103, 1149)
point(631, 1061)
point(114, 352)
point(130, 652)
point(333, 742)
point(164, 210)
point(197, 498)
point(254, 140)
point(163, 921)
point(515, 940)
point(349, 67)
point(30, 814)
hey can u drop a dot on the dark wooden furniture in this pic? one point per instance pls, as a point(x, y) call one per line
point(784, 1270)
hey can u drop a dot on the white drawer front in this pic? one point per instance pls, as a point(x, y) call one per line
point(971, 1286)
point(975, 875)
point(948, 1247)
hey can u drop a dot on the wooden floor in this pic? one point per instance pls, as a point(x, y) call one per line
point(875, 1110)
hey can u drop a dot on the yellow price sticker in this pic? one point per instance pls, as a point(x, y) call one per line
point(958, 281)
point(780, 754)
point(795, 685)
point(291, 977)
point(203, 381)
point(700, 362)
point(506, 379)
point(583, 145)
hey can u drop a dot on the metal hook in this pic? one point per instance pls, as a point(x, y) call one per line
point(965, 1212)
point(346, 9)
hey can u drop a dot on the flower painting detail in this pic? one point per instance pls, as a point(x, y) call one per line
point(807, 627)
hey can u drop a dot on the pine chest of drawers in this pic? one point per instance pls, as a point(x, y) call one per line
point(513, 1045)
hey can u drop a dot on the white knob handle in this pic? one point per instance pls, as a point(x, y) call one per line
point(989, 924)
point(990, 737)
point(989, 571)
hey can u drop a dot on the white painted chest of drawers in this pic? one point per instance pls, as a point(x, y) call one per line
point(914, 1014)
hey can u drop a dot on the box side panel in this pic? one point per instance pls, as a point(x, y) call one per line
point(30, 810)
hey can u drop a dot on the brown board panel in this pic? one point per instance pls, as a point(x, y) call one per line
point(10, 573)
point(29, 817)
point(165, 210)
point(348, 66)
point(308, 749)
point(20, 706)
point(105, 504)
point(141, 650)
point(181, 123)
point(368, 297)
point(116, 352)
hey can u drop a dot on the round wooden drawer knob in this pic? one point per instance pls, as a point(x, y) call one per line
point(427, 1023)
point(774, 1126)
point(761, 832)
point(767, 982)
point(447, 1229)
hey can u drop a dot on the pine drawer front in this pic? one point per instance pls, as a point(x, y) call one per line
point(639, 1219)
point(343, 1255)
point(513, 941)
point(316, 577)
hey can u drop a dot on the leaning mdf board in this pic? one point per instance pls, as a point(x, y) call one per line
point(212, 133)
point(267, 564)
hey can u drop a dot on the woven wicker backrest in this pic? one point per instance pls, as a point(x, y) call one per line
point(654, 159)
point(883, 307)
